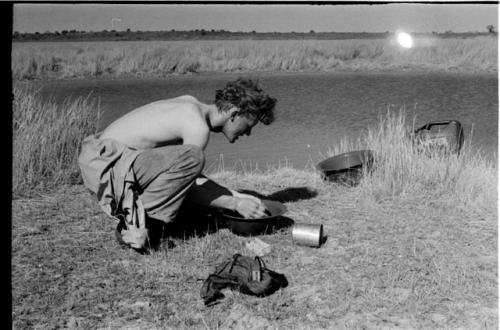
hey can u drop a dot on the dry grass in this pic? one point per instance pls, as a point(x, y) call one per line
point(410, 171)
point(91, 59)
point(47, 138)
point(386, 264)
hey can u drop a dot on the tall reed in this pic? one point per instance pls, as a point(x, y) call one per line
point(404, 169)
point(46, 139)
point(92, 59)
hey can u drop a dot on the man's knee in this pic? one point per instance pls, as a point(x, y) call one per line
point(153, 163)
point(195, 159)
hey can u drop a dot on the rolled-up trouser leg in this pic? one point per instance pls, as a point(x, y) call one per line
point(164, 176)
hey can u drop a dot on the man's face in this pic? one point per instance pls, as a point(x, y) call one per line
point(239, 125)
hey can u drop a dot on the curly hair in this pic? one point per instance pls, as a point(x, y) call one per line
point(248, 97)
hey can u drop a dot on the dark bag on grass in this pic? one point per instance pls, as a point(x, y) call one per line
point(248, 275)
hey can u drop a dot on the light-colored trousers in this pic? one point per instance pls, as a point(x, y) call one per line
point(164, 176)
point(132, 184)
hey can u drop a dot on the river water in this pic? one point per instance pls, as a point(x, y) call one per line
point(314, 110)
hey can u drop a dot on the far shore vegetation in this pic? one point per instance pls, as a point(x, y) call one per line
point(221, 34)
point(414, 245)
point(91, 59)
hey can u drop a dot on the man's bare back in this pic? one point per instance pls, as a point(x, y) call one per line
point(180, 120)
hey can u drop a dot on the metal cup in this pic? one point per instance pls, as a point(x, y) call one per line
point(307, 234)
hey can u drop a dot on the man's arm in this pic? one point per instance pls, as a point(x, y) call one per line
point(207, 192)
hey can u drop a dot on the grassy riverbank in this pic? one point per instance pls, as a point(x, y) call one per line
point(413, 246)
point(46, 138)
point(396, 263)
point(159, 59)
point(418, 171)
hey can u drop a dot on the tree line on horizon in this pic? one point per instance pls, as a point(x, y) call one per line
point(202, 34)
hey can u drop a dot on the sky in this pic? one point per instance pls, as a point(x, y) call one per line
point(411, 17)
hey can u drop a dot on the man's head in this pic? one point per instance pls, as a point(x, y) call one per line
point(248, 105)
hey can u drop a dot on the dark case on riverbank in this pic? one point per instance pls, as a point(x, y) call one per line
point(448, 135)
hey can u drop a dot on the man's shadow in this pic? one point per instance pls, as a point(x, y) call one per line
point(196, 221)
point(292, 194)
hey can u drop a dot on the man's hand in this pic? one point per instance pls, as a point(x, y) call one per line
point(207, 192)
point(241, 195)
point(255, 210)
point(250, 208)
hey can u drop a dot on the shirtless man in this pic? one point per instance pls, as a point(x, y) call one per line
point(147, 162)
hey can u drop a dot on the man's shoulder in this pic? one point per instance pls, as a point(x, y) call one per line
point(182, 108)
point(186, 103)
point(188, 98)
point(191, 113)
point(190, 110)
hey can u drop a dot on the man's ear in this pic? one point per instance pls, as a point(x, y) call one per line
point(234, 113)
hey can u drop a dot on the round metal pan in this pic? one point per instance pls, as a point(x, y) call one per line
point(246, 227)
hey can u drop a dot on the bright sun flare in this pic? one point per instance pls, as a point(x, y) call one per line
point(405, 40)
